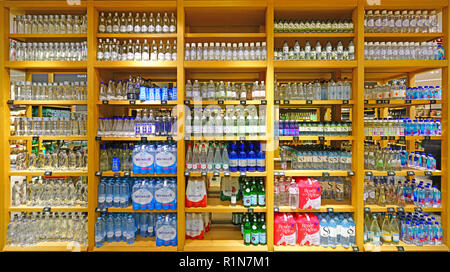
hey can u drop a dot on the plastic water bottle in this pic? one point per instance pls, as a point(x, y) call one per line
point(332, 236)
point(109, 194)
point(324, 232)
point(99, 232)
point(109, 229)
point(345, 239)
point(101, 194)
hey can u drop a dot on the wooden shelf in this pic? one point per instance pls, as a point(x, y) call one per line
point(252, 64)
point(224, 35)
point(47, 65)
point(48, 247)
point(311, 173)
point(313, 35)
point(50, 138)
point(54, 173)
point(53, 209)
point(314, 102)
point(327, 206)
point(137, 35)
point(416, 37)
point(407, 248)
point(226, 102)
point(298, 248)
point(227, 138)
point(125, 64)
point(49, 102)
point(403, 173)
point(403, 103)
point(140, 245)
point(47, 37)
point(316, 64)
point(149, 138)
point(122, 174)
point(136, 102)
point(215, 205)
point(130, 209)
point(316, 138)
point(407, 138)
point(407, 208)
point(231, 174)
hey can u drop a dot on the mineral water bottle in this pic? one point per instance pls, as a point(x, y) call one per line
point(101, 194)
point(293, 195)
point(99, 232)
point(332, 236)
point(324, 231)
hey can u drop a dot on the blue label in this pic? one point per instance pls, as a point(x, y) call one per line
point(142, 93)
point(157, 94)
point(115, 164)
point(174, 93)
point(151, 96)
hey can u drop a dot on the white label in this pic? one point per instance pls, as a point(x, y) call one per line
point(165, 159)
point(166, 233)
point(143, 159)
point(164, 195)
point(142, 196)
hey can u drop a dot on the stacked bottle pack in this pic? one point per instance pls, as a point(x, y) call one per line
point(221, 91)
point(416, 228)
point(398, 90)
point(317, 90)
point(212, 121)
point(309, 229)
point(126, 227)
point(302, 193)
point(137, 88)
point(26, 230)
point(313, 26)
point(225, 157)
point(315, 53)
point(253, 227)
point(197, 225)
point(400, 191)
point(225, 51)
point(147, 23)
point(112, 50)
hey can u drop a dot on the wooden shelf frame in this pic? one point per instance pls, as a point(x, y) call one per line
point(359, 68)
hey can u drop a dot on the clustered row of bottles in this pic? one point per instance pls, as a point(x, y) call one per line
point(416, 228)
point(49, 24)
point(308, 128)
point(250, 190)
point(142, 193)
point(30, 229)
point(126, 227)
point(221, 91)
point(315, 157)
point(404, 21)
point(398, 90)
point(225, 51)
point(47, 51)
point(314, 229)
point(50, 192)
point(225, 157)
point(27, 90)
point(308, 52)
point(404, 51)
point(146, 123)
point(313, 26)
point(141, 158)
point(253, 227)
point(137, 88)
point(51, 126)
point(402, 127)
point(113, 23)
point(57, 159)
point(401, 192)
point(396, 159)
point(112, 50)
point(197, 225)
point(317, 90)
point(213, 121)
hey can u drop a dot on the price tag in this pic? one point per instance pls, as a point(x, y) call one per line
point(98, 173)
point(220, 102)
point(418, 209)
point(400, 209)
point(126, 174)
point(295, 138)
point(344, 102)
point(226, 174)
point(105, 102)
point(407, 101)
point(243, 102)
point(321, 138)
point(379, 101)
point(187, 102)
point(383, 138)
point(386, 101)
point(46, 209)
point(216, 174)
point(10, 102)
point(277, 102)
point(250, 210)
point(36, 138)
point(243, 174)
point(410, 173)
point(286, 102)
point(351, 173)
point(325, 174)
point(426, 137)
point(401, 138)
point(400, 249)
point(279, 173)
point(276, 209)
point(330, 210)
point(47, 173)
point(132, 102)
point(169, 138)
point(366, 101)
point(116, 174)
point(98, 138)
point(143, 138)
point(164, 102)
point(367, 209)
point(204, 174)
point(187, 138)
point(101, 210)
point(391, 137)
point(391, 173)
point(186, 174)
point(391, 210)
point(309, 102)
point(369, 138)
point(264, 102)
point(428, 173)
point(369, 173)
point(242, 138)
point(355, 248)
point(432, 101)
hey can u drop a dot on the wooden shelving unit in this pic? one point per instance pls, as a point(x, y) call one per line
point(253, 20)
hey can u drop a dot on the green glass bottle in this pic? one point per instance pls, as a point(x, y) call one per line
point(255, 231)
point(247, 231)
point(262, 230)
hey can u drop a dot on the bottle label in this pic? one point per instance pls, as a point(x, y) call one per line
point(151, 28)
point(165, 29)
point(99, 55)
point(172, 28)
point(165, 159)
point(115, 164)
point(145, 56)
point(142, 197)
point(158, 28)
point(143, 159)
point(144, 29)
point(261, 162)
point(101, 199)
point(109, 29)
point(166, 233)
point(255, 235)
point(262, 200)
point(164, 195)
point(137, 28)
point(101, 28)
point(168, 56)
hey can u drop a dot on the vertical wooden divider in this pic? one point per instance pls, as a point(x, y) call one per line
point(270, 147)
point(4, 146)
point(181, 180)
point(93, 146)
point(358, 126)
